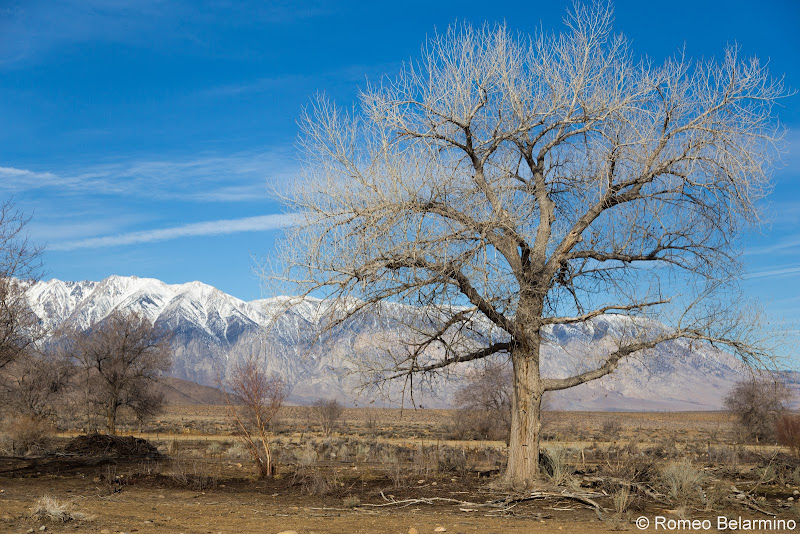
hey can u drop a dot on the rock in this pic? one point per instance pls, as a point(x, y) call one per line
point(287, 532)
point(440, 529)
point(795, 492)
point(105, 531)
point(42, 528)
point(29, 530)
point(412, 530)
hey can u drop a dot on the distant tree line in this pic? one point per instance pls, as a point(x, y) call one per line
point(95, 374)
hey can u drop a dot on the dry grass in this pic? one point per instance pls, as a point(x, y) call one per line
point(50, 509)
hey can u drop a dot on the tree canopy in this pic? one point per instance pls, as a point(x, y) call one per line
point(505, 184)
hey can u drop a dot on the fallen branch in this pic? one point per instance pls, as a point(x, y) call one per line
point(500, 505)
point(755, 507)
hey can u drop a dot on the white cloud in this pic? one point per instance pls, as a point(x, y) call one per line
point(237, 177)
point(774, 272)
point(221, 227)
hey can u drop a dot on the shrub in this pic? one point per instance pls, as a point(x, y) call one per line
point(787, 431)
point(27, 435)
point(622, 499)
point(51, 509)
point(757, 404)
point(554, 463)
point(485, 404)
point(682, 480)
point(328, 414)
point(611, 429)
point(351, 501)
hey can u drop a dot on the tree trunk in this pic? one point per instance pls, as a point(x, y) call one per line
point(267, 469)
point(523, 449)
point(111, 420)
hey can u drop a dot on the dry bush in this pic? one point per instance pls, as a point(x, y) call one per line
point(26, 435)
point(327, 413)
point(682, 480)
point(611, 429)
point(757, 403)
point(787, 431)
point(627, 464)
point(237, 451)
point(307, 455)
point(470, 424)
point(554, 462)
point(371, 426)
point(51, 509)
point(214, 449)
point(622, 499)
point(351, 501)
point(484, 403)
point(192, 477)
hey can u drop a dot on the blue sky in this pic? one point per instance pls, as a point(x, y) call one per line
point(141, 135)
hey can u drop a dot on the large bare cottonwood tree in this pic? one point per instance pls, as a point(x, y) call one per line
point(506, 185)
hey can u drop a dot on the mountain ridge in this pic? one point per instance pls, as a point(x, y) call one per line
point(213, 331)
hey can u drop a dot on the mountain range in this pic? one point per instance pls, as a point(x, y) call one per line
point(212, 331)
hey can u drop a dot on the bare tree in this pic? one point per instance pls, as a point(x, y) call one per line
point(484, 402)
point(35, 385)
point(20, 267)
point(122, 356)
point(507, 185)
point(261, 396)
point(757, 403)
point(328, 414)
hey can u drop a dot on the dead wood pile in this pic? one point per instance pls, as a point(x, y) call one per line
point(111, 446)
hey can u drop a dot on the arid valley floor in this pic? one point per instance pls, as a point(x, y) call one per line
point(393, 471)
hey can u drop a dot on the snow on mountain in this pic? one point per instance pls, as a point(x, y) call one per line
point(213, 331)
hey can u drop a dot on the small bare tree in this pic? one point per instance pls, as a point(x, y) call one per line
point(508, 185)
point(36, 384)
point(328, 414)
point(261, 395)
point(757, 404)
point(484, 402)
point(121, 358)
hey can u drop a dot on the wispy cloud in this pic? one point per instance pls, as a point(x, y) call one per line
point(229, 178)
point(790, 244)
point(29, 29)
point(774, 272)
point(208, 228)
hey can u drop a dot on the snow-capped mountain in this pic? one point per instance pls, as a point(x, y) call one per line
point(213, 330)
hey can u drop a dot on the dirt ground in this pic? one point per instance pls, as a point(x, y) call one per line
point(223, 512)
point(396, 474)
point(242, 506)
